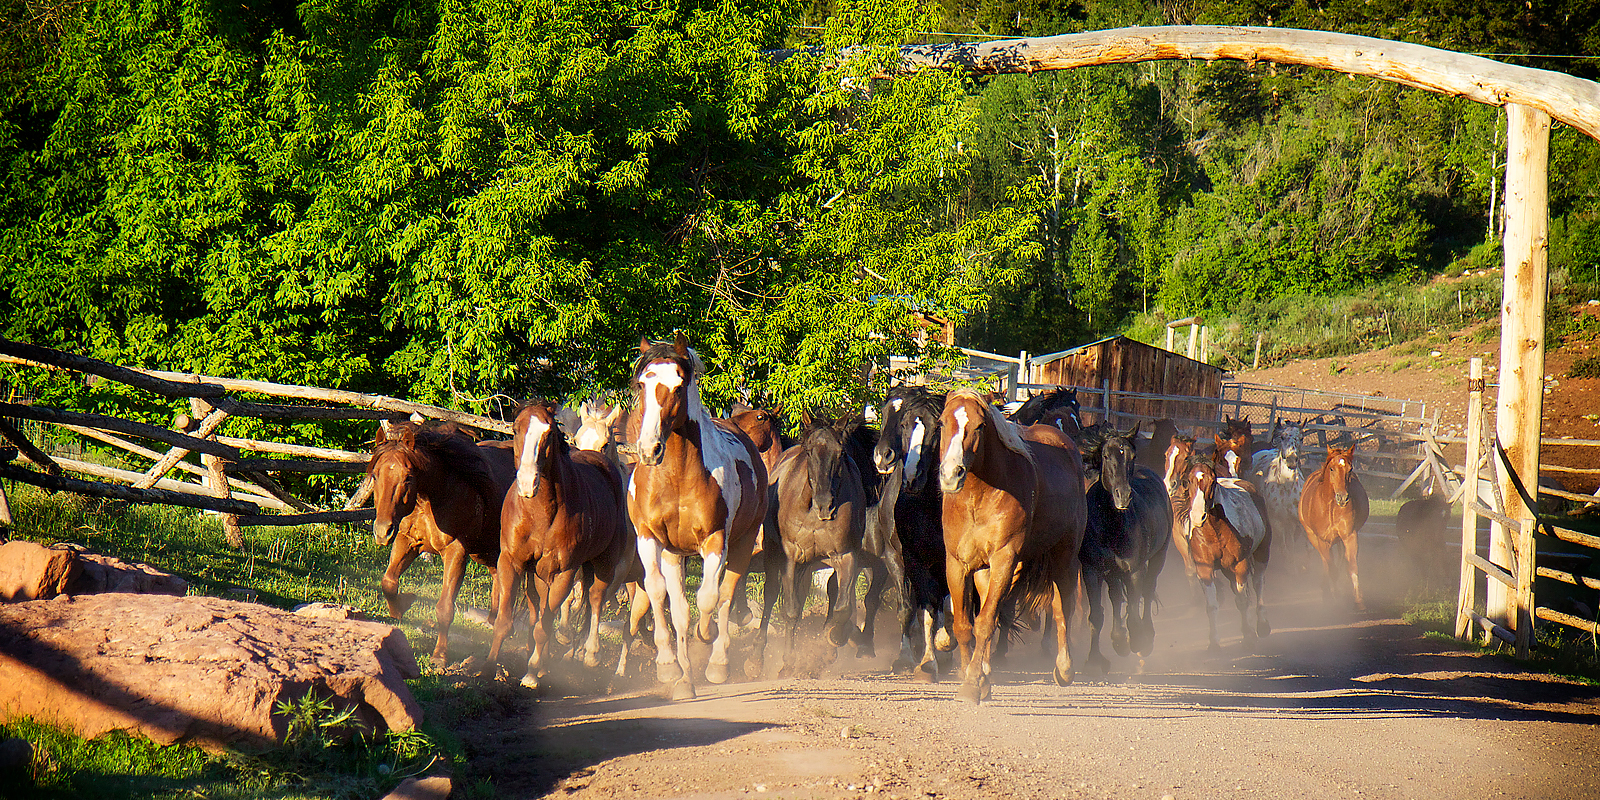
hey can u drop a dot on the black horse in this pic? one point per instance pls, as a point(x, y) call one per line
point(1058, 407)
point(1130, 522)
point(911, 520)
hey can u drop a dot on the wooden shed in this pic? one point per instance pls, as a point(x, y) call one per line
point(1132, 366)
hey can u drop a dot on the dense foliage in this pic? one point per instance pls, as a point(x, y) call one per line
point(460, 199)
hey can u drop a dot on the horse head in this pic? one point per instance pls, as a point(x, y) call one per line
point(393, 470)
point(1179, 451)
point(1336, 471)
point(823, 447)
point(663, 379)
point(761, 426)
point(596, 419)
point(536, 438)
point(1116, 465)
point(1286, 439)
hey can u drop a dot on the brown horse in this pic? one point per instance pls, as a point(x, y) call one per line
point(1235, 448)
point(563, 515)
point(1178, 455)
point(1014, 520)
point(1333, 507)
point(435, 491)
point(699, 487)
point(1225, 542)
point(762, 427)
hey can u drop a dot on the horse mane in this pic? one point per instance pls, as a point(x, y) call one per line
point(1035, 408)
point(438, 445)
point(1009, 434)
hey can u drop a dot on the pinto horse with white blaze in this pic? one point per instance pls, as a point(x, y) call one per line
point(436, 491)
point(1014, 518)
point(1333, 507)
point(1235, 447)
point(562, 516)
point(699, 488)
point(1226, 537)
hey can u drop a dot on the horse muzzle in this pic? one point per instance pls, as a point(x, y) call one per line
point(1341, 498)
point(1122, 498)
point(652, 457)
point(382, 531)
point(883, 458)
point(951, 480)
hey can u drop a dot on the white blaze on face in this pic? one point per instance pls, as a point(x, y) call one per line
point(1232, 460)
point(665, 374)
point(952, 453)
point(1172, 467)
point(1197, 505)
point(528, 463)
point(918, 443)
point(894, 405)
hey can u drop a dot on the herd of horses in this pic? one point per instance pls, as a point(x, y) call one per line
point(984, 523)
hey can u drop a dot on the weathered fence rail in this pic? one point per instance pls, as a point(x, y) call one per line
point(240, 488)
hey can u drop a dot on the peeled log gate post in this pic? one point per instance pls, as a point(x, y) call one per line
point(1531, 97)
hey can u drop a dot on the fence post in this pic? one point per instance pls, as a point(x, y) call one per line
point(1467, 594)
point(1110, 415)
point(1255, 363)
point(1193, 330)
point(216, 479)
point(1170, 331)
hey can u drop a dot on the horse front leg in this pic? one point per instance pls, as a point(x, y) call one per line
point(1323, 548)
point(976, 685)
point(1258, 580)
point(1241, 591)
point(506, 577)
point(1069, 575)
point(796, 587)
point(401, 553)
point(1092, 581)
point(960, 612)
point(672, 571)
point(1355, 579)
point(879, 570)
point(842, 598)
point(651, 555)
point(1118, 589)
point(444, 612)
point(1207, 577)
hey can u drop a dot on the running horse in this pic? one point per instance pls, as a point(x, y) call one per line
point(761, 425)
point(1333, 507)
point(1014, 518)
point(911, 517)
point(1276, 473)
point(436, 491)
point(1226, 537)
point(1130, 521)
point(1235, 448)
point(699, 488)
point(816, 514)
point(563, 516)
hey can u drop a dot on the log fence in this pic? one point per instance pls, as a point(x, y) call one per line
point(240, 488)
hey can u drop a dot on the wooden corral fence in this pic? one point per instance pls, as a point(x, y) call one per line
point(241, 488)
point(1143, 380)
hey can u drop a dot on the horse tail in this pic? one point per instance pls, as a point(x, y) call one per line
point(1030, 595)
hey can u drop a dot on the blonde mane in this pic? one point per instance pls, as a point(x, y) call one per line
point(1009, 433)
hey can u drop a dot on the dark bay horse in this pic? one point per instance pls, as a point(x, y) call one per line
point(699, 488)
point(912, 517)
point(1014, 519)
point(816, 514)
point(562, 516)
point(1152, 455)
point(1333, 507)
point(436, 491)
point(1130, 522)
point(765, 432)
point(1220, 544)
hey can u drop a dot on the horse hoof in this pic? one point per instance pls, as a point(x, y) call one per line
point(400, 606)
point(925, 673)
point(754, 668)
point(1263, 628)
point(668, 672)
point(530, 681)
point(866, 651)
point(717, 673)
point(838, 635)
point(1063, 678)
point(1119, 642)
point(970, 692)
point(439, 660)
point(683, 690)
point(1214, 647)
point(901, 666)
point(943, 641)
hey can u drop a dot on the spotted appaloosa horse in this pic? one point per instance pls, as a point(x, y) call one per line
point(699, 488)
point(562, 516)
point(1226, 538)
point(1333, 507)
point(1014, 519)
point(1276, 473)
point(435, 491)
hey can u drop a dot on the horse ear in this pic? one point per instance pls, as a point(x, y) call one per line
point(680, 344)
point(644, 345)
point(611, 418)
point(740, 406)
point(805, 417)
point(1134, 434)
point(383, 432)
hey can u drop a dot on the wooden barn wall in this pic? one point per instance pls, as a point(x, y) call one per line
point(1136, 367)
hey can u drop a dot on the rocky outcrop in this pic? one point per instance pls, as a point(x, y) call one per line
point(194, 669)
point(32, 571)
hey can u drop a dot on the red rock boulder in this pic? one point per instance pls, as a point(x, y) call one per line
point(31, 571)
point(194, 669)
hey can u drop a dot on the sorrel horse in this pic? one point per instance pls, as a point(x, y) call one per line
point(562, 516)
point(699, 487)
point(1178, 455)
point(1235, 448)
point(1130, 521)
point(1223, 541)
point(912, 517)
point(1333, 507)
point(597, 431)
point(436, 491)
point(1276, 472)
point(1014, 520)
point(816, 514)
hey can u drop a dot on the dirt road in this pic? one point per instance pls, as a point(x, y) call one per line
point(1332, 704)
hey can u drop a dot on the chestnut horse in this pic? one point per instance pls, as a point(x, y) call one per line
point(1130, 522)
point(1235, 448)
point(1014, 519)
point(911, 516)
point(1178, 455)
point(1333, 507)
point(435, 491)
point(1223, 543)
point(762, 427)
point(563, 515)
point(816, 514)
point(699, 487)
